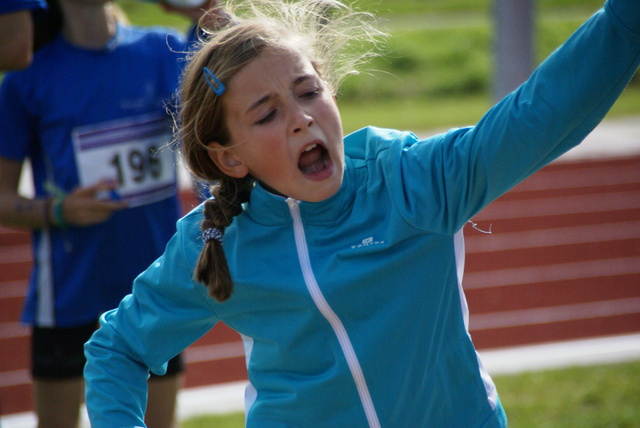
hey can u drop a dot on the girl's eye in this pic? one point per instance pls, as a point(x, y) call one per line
point(267, 118)
point(311, 93)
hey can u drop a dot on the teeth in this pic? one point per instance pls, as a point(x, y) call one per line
point(311, 147)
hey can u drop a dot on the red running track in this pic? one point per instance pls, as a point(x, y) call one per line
point(562, 262)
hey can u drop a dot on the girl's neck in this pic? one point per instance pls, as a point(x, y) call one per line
point(88, 25)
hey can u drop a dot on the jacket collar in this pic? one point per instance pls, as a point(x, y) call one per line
point(270, 210)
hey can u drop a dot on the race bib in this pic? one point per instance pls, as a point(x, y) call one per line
point(132, 152)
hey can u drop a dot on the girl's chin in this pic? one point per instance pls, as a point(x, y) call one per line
point(320, 185)
point(325, 189)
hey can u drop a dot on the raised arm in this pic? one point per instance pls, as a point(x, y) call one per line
point(553, 111)
point(565, 98)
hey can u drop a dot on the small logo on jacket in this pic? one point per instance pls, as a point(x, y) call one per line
point(367, 242)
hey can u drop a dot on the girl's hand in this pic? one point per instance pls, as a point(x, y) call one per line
point(84, 207)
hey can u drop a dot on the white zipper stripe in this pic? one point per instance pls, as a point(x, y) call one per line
point(327, 312)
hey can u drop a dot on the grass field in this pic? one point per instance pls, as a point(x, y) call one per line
point(604, 396)
point(580, 397)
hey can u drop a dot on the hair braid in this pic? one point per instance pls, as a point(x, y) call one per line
point(212, 268)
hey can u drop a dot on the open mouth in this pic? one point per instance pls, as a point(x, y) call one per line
point(314, 160)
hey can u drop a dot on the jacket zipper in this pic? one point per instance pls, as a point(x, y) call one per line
point(329, 314)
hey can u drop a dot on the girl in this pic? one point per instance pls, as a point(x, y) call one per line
point(339, 261)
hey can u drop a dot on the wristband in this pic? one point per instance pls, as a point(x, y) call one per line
point(58, 214)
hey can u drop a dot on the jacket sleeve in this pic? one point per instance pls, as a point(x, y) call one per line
point(553, 111)
point(165, 313)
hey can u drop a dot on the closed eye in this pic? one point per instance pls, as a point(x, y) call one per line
point(311, 94)
point(268, 118)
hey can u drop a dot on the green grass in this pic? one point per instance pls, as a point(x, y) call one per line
point(456, 6)
point(152, 14)
point(581, 397)
point(414, 114)
point(437, 113)
point(148, 14)
point(231, 420)
point(605, 396)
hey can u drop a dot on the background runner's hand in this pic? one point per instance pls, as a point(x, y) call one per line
point(84, 207)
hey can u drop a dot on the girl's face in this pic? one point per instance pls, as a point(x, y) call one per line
point(285, 127)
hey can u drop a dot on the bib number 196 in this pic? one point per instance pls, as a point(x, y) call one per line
point(137, 165)
point(131, 152)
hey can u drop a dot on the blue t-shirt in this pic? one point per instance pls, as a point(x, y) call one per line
point(80, 116)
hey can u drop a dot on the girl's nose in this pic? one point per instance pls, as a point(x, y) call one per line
point(301, 121)
point(310, 122)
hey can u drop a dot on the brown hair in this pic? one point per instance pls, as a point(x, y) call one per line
point(320, 29)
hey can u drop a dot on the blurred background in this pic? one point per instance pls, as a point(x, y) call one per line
point(561, 265)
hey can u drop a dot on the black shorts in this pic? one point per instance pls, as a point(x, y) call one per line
point(58, 353)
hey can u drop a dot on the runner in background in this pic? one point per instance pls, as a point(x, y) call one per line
point(91, 114)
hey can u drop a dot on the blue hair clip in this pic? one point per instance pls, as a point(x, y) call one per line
point(214, 83)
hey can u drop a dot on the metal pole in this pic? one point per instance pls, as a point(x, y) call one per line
point(513, 45)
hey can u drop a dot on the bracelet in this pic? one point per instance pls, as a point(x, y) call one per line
point(58, 214)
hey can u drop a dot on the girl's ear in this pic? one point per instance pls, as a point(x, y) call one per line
point(226, 160)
